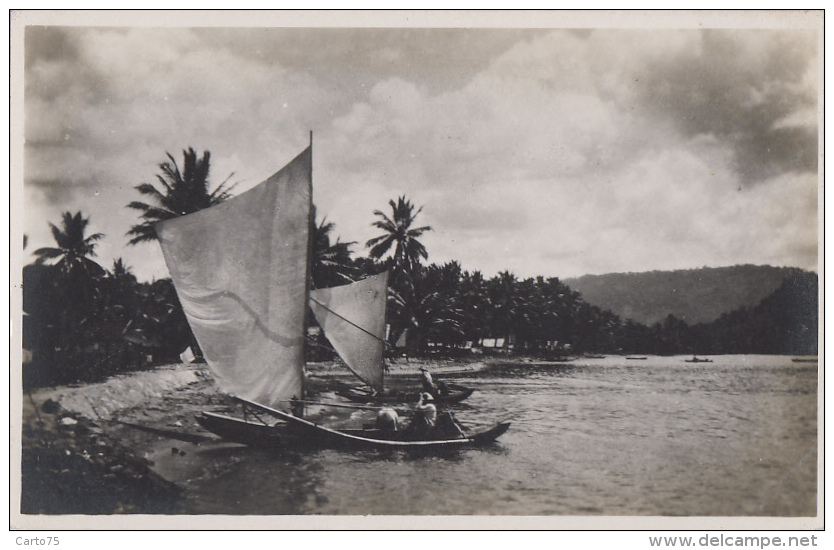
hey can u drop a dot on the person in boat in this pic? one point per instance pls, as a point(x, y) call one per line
point(424, 419)
point(430, 386)
point(427, 380)
point(387, 420)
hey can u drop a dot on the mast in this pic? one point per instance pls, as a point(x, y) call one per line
point(385, 361)
point(311, 228)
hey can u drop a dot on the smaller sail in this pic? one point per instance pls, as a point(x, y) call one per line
point(353, 319)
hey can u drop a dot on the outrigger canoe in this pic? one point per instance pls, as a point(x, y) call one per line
point(300, 431)
point(251, 323)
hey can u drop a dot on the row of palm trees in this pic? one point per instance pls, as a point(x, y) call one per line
point(448, 310)
point(428, 306)
point(83, 321)
point(88, 318)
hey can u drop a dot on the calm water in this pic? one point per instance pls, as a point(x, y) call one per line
point(736, 437)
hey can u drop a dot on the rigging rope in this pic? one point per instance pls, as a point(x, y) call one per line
point(345, 319)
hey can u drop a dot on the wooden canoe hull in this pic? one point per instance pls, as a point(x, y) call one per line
point(298, 432)
point(323, 436)
point(456, 395)
point(241, 431)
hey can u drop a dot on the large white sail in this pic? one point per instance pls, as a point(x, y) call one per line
point(240, 269)
point(353, 319)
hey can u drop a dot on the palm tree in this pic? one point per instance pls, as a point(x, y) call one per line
point(121, 285)
point(400, 235)
point(122, 272)
point(122, 289)
point(117, 307)
point(430, 310)
point(182, 192)
point(331, 263)
point(72, 293)
point(476, 305)
point(505, 304)
point(74, 248)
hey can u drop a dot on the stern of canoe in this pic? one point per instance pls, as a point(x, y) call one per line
point(243, 432)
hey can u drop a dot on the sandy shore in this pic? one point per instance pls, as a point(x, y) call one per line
point(70, 465)
point(88, 449)
point(77, 457)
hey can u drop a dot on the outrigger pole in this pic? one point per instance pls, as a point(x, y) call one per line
point(349, 405)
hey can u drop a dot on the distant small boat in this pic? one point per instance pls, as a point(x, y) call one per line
point(636, 358)
point(593, 356)
point(805, 360)
point(696, 359)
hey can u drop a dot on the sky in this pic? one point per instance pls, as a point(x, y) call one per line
point(541, 151)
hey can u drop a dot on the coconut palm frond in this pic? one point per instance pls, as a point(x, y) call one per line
point(380, 249)
point(399, 235)
point(74, 247)
point(180, 192)
point(47, 253)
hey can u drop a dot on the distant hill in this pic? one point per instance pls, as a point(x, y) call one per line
point(693, 295)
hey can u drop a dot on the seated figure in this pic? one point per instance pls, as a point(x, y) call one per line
point(432, 387)
point(387, 420)
point(424, 419)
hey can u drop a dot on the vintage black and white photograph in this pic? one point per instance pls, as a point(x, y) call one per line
point(441, 266)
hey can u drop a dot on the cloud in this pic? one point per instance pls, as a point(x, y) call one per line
point(542, 152)
point(742, 86)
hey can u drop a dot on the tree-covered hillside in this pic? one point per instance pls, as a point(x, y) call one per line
point(692, 295)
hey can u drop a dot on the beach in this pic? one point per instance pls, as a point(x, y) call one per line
point(86, 449)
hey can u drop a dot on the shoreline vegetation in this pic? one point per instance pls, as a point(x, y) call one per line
point(83, 322)
point(443, 312)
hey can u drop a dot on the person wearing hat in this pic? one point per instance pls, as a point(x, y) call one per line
point(428, 382)
point(424, 418)
point(429, 385)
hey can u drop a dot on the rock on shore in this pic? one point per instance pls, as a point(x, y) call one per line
point(70, 466)
point(74, 460)
point(83, 454)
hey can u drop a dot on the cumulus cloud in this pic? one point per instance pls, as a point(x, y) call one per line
point(543, 152)
point(742, 86)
